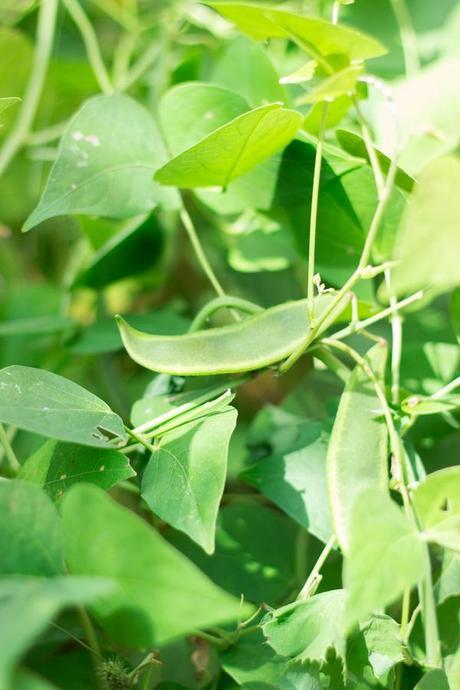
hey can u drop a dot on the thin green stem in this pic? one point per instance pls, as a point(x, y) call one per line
point(10, 455)
point(214, 305)
point(91, 44)
point(373, 159)
point(314, 215)
point(405, 614)
point(408, 36)
point(122, 59)
point(44, 42)
point(396, 349)
point(448, 388)
point(314, 574)
point(47, 135)
point(139, 68)
point(199, 251)
point(388, 311)
point(93, 643)
point(140, 439)
point(359, 273)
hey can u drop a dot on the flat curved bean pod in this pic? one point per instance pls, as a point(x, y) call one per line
point(256, 342)
point(358, 449)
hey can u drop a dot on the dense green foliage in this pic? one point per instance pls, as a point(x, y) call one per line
point(229, 345)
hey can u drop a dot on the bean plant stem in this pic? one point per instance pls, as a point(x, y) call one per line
point(214, 305)
point(44, 42)
point(408, 36)
point(10, 455)
point(445, 390)
point(91, 44)
point(314, 214)
point(199, 251)
point(356, 275)
point(305, 591)
point(373, 159)
point(93, 643)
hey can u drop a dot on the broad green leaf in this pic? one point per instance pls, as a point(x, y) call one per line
point(16, 54)
point(245, 68)
point(191, 111)
point(254, 343)
point(105, 168)
point(306, 630)
point(254, 556)
point(430, 258)
point(253, 664)
point(354, 145)
point(342, 83)
point(313, 35)
point(263, 246)
point(437, 504)
point(434, 680)
point(30, 531)
point(302, 75)
point(233, 149)
point(104, 336)
point(135, 249)
point(50, 405)
point(448, 583)
point(357, 452)
point(295, 480)
point(56, 466)
point(27, 604)
point(301, 676)
point(428, 111)
point(36, 325)
point(24, 680)
point(382, 636)
point(385, 555)
point(12, 10)
point(184, 480)
point(161, 595)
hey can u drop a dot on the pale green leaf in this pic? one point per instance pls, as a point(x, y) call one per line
point(306, 630)
point(357, 453)
point(423, 404)
point(232, 149)
point(161, 595)
point(30, 531)
point(437, 504)
point(428, 240)
point(184, 480)
point(191, 111)
point(342, 83)
point(448, 583)
point(256, 342)
point(107, 156)
point(50, 405)
point(385, 557)
point(7, 102)
point(57, 466)
point(27, 604)
point(314, 35)
point(382, 636)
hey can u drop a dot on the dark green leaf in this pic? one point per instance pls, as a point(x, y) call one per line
point(152, 604)
point(30, 531)
point(51, 405)
point(57, 466)
point(184, 479)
